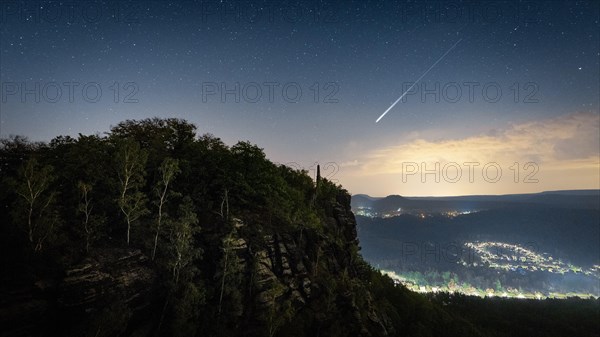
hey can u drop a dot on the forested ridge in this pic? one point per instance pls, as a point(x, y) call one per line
point(153, 230)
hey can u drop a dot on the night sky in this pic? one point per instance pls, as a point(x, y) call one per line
point(501, 83)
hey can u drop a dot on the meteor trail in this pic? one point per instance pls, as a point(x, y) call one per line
point(417, 81)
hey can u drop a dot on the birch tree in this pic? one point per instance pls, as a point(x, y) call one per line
point(181, 242)
point(168, 170)
point(38, 212)
point(90, 222)
point(131, 162)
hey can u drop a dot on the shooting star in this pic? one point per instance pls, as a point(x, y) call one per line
point(417, 81)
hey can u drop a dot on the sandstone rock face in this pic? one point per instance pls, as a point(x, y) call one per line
point(115, 291)
point(120, 273)
point(22, 312)
point(287, 265)
point(110, 276)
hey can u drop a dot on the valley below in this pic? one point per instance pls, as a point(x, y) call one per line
point(533, 246)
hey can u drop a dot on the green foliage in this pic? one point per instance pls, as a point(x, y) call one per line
point(280, 309)
point(181, 247)
point(510, 317)
point(186, 293)
point(229, 277)
point(164, 136)
point(187, 310)
point(498, 286)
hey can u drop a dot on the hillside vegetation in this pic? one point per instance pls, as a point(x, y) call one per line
point(153, 230)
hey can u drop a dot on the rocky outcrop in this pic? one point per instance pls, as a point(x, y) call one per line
point(287, 273)
point(287, 265)
point(23, 312)
point(114, 273)
point(111, 279)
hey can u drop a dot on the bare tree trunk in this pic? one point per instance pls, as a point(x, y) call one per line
point(317, 262)
point(128, 228)
point(125, 187)
point(29, 222)
point(225, 204)
point(155, 240)
point(162, 315)
point(87, 210)
point(40, 241)
point(157, 229)
point(160, 207)
point(223, 282)
point(87, 241)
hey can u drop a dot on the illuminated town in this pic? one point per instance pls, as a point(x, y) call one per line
point(512, 257)
point(371, 213)
point(504, 257)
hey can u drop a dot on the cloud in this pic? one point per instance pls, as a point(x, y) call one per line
point(351, 163)
point(565, 152)
point(566, 141)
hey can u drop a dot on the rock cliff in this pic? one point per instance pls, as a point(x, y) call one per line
point(288, 275)
point(111, 282)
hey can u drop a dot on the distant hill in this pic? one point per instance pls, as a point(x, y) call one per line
point(579, 199)
point(362, 200)
point(574, 192)
point(366, 196)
